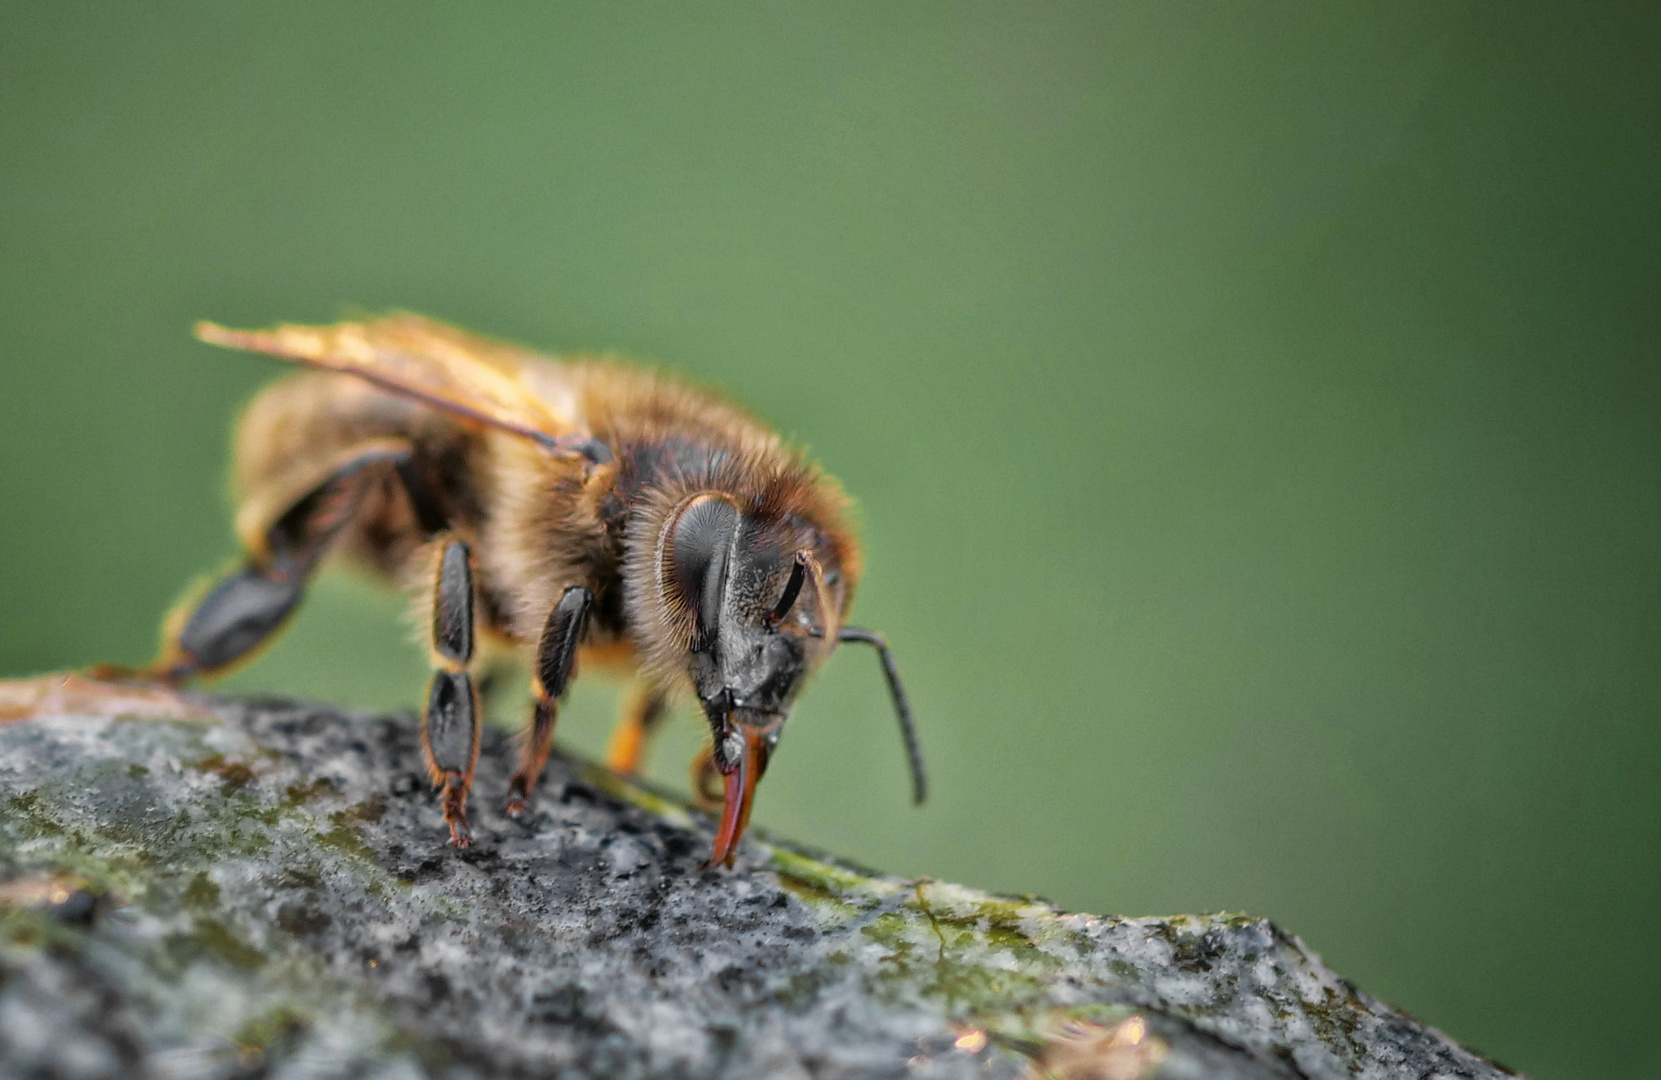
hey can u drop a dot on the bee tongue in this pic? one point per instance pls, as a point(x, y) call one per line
point(741, 791)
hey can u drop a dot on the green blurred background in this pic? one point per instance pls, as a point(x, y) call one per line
point(1253, 411)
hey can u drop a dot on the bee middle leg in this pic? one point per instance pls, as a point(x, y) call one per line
point(556, 659)
point(641, 717)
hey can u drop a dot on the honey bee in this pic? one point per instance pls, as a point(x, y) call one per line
point(572, 513)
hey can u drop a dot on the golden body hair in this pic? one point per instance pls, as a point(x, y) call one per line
point(538, 522)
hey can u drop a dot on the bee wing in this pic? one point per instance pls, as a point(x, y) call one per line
point(445, 367)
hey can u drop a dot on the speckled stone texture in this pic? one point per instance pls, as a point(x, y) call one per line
point(270, 896)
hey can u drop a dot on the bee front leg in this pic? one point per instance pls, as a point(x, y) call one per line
point(556, 658)
point(707, 782)
point(450, 725)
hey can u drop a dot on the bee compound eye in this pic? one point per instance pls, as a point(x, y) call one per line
point(699, 545)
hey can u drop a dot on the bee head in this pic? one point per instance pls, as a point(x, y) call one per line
point(753, 588)
point(762, 611)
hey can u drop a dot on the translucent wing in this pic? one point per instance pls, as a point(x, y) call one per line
point(445, 367)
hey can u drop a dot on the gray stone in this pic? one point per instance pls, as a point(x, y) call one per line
point(269, 895)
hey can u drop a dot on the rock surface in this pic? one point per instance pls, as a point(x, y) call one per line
point(269, 896)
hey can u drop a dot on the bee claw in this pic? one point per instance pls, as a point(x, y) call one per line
point(454, 801)
point(516, 807)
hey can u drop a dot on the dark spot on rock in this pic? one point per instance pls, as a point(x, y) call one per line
point(430, 869)
point(723, 1038)
point(647, 919)
point(201, 892)
point(1194, 952)
point(299, 794)
point(568, 1005)
point(31, 810)
point(734, 979)
point(298, 877)
point(266, 1040)
point(302, 919)
point(370, 809)
point(233, 775)
point(213, 939)
point(344, 836)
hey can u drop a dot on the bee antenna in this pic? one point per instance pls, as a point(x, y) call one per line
point(902, 707)
point(792, 589)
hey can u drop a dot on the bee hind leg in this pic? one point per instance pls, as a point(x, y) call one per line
point(211, 632)
point(556, 659)
point(241, 611)
point(450, 725)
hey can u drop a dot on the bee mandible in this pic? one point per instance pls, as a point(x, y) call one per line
point(569, 512)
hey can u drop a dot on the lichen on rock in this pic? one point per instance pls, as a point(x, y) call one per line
point(269, 895)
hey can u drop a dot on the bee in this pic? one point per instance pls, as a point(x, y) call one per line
point(571, 513)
